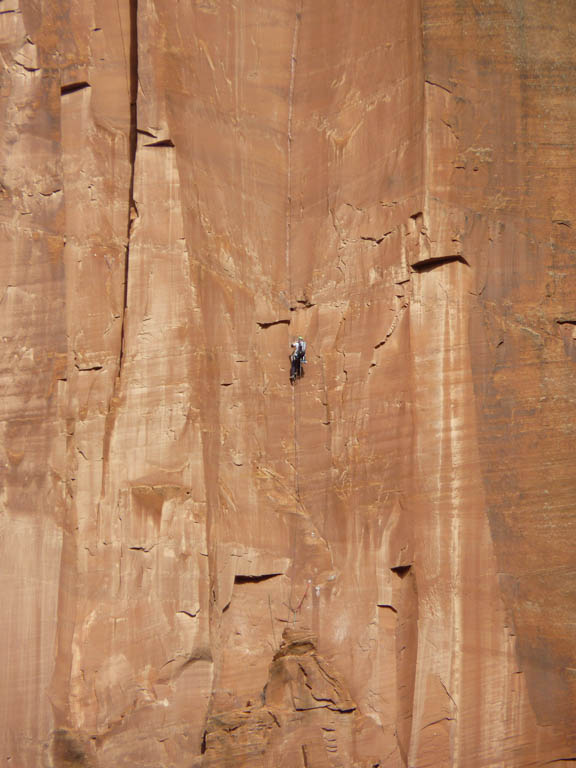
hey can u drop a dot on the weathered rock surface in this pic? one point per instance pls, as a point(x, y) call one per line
point(201, 565)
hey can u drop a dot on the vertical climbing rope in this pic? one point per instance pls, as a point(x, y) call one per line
point(296, 412)
point(288, 256)
point(293, 60)
point(325, 515)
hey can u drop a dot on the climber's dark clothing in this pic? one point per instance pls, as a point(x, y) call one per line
point(295, 366)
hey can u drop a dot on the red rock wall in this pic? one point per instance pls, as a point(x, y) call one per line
point(202, 565)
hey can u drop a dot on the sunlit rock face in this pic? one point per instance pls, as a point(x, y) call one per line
point(202, 565)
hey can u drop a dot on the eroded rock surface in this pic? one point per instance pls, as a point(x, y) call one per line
point(202, 565)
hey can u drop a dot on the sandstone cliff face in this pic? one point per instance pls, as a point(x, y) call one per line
point(202, 565)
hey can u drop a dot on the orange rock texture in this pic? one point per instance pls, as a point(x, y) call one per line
point(203, 566)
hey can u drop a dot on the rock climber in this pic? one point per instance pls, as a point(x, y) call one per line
point(297, 358)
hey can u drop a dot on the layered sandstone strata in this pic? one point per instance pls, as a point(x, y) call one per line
point(202, 565)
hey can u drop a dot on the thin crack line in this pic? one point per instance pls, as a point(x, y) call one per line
point(293, 61)
point(132, 147)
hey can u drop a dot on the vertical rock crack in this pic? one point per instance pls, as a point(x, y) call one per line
point(293, 61)
point(132, 146)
